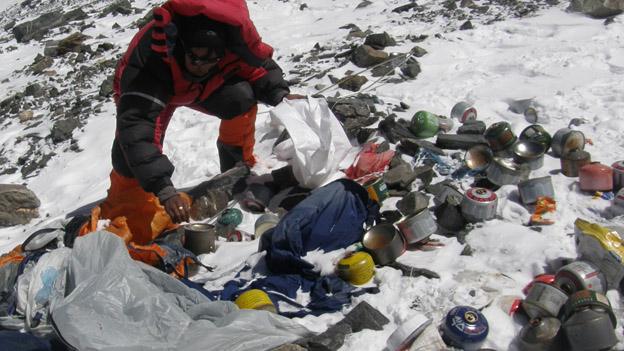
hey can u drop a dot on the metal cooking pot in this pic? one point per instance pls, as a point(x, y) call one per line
point(540, 334)
point(199, 238)
point(417, 227)
point(536, 132)
point(504, 171)
point(478, 157)
point(566, 140)
point(384, 242)
point(573, 161)
point(500, 136)
point(530, 153)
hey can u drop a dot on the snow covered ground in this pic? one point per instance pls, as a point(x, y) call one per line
point(572, 65)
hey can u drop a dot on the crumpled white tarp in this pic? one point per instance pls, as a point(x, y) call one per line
point(317, 145)
point(116, 303)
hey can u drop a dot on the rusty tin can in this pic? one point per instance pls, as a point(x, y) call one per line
point(531, 189)
point(463, 111)
point(479, 204)
point(544, 300)
point(540, 334)
point(573, 161)
point(580, 275)
point(200, 238)
point(618, 175)
point(500, 136)
point(566, 140)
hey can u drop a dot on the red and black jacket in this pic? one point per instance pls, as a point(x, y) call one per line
point(150, 83)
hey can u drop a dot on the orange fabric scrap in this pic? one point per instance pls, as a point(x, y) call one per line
point(543, 206)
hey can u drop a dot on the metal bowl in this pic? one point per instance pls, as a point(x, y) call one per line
point(384, 242)
point(478, 157)
point(504, 171)
point(529, 152)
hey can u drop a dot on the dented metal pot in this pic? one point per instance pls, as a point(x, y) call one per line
point(544, 300)
point(384, 242)
point(566, 140)
point(417, 227)
point(500, 136)
point(530, 153)
point(503, 171)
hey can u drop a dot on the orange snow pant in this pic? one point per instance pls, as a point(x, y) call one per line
point(240, 131)
point(136, 215)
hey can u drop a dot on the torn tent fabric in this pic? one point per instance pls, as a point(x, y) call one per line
point(162, 312)
point(332, 217)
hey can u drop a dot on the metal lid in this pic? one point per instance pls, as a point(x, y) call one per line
point(528, 150)
point(478, 157)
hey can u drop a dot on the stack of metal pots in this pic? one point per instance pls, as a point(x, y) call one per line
point(570, 312)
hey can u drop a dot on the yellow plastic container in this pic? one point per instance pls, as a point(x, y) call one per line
point(357, 268)
point(255, 299)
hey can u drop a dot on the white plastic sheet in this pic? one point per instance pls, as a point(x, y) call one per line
point(115, 303)
point(317, 146)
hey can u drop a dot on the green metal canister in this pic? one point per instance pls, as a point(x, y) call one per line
point(424, 124)
point(500, 136)
point(536, 132)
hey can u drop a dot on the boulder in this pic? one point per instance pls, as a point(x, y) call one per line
point(353, 83)
point(37, 28)
point(18, 205)
point(597, 8)
point(365, 56)
point(379, 40)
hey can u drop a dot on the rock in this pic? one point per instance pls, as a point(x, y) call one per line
point(379, 40)
point(122, 7)
point(37, 28)
point(25, 116)
point(365, 316)
point(365, 56)
point(105, 47)
point(330, 340)
point(409, 271)
point(364, 4)
point(41, 63)
point(72, 43)
point(353, 107)
point(472, 127)
point(63, 129)
point(418, 51)
point(412, 146)
point(289, 347)
point(449, 216)
point(400, 177)
point(34, 90)
point(7, 27)
point(394, 130)
point(413, 202)
point(411, 68)
point(106, 88)
point(459, 142)
point(405, 8)
point(18, 205)
point(352, 83)
point(597, 8)
point(466, 26)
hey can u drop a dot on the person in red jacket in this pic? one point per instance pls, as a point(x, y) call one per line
point(205, 55)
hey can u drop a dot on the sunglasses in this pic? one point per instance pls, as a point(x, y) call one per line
point(202, 60)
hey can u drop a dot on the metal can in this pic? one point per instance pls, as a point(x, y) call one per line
point(463, 111)
point(424, 124)
point(573, 161)
point(200, 238)
point(377, 189)
point(596, 177)
point(540, 334)
point(536, 132)
point(531, 189)
point(618, 175)
point(580, 275)
point(264, 223)
point(589, 322)
point(544, 300)
point(405, 334)
point(479, 204)
point(384, 242)
point(566, 140)
point(500, 136)
point(502, 171)
point(357, 268)
point(417, 227)
point(465, 327)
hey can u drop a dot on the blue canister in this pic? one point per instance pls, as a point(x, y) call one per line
point(465, 327)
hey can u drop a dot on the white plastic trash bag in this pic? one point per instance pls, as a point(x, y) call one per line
point(317, 145)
